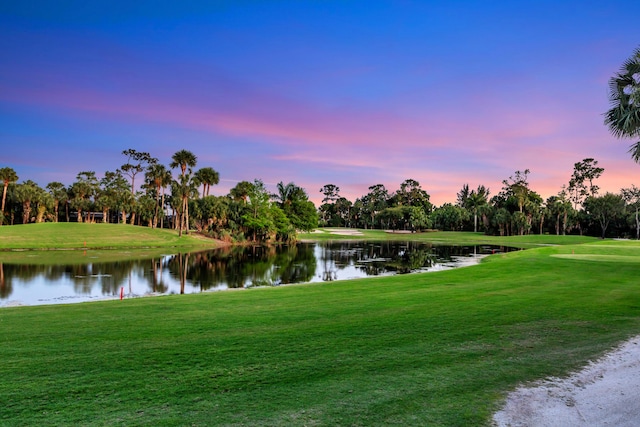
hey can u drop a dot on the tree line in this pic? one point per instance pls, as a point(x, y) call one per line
point(516, 209)
point(181, 201)
point(165, 200)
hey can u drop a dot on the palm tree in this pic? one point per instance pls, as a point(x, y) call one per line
point(83, 189)
point(182, 189)
point(623, 118)
point(27, 193)
point(475, 201)
point(207, 177)
point(285, 193)
point(184, 159)
point(59, 193)
point(158, 176)
point(7, 175)
point(241, 191)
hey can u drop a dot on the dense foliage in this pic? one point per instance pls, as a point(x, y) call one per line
point(251, 213)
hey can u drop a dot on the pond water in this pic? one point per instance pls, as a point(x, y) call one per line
point(233, 267)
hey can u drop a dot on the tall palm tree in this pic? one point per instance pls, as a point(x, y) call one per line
point(623, 118)
point(182, 189)
point(207, 177)
point(7, 175)
point(475, 201)
point(184, 159)
point(59, 193)
point(158, 176)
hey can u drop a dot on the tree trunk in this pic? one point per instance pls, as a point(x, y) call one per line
point(41, 212)
point(105, 215)
point(79, 215)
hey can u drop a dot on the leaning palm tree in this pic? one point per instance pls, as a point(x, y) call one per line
point(7, 176)
point(623, 118)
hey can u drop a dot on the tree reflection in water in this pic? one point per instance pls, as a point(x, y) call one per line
point(230, 267)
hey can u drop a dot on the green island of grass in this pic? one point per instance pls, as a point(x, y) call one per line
point(424, 349)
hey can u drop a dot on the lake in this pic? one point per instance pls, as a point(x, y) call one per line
point(227, 268)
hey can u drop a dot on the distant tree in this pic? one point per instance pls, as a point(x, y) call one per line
point(502, 221)
point(518, 186)
point(342, 210)
point(185, 160)
point(207, 177)
point(285, 193)
point(257, 220)
point(82, 192)
point(328, 211)
point(7, 175)
point(412, 194)
point(331, 193)
point(449, 217)
point(375, 201)
point(558, 208)
point(604, 209)
point(183, 189)
point(473, 201)
point(26, 193)
point(581, 184)
point(241, 191)
point(623, 118)
point(114, 194)
point(159, 178)
point(295, 204)
point(632, 197)
point(136, 163)
point(59, 194)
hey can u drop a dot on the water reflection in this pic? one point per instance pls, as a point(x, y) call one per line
point(233, 267)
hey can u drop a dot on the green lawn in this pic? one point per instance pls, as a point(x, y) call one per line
point(93, 236)
point(447, 237)
point(426, 349)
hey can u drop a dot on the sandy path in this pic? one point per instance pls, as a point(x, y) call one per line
point(605, 393)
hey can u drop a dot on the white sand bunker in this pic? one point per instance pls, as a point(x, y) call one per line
point(605, 393)
point(344, 231)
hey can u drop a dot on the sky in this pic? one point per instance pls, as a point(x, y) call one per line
point(350, 93)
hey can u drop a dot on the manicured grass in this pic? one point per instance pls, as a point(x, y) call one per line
point(449, 237)
point(93, 236)
point(425, 349)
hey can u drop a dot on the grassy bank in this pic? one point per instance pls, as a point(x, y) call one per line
point(446, 237)
point(426, 349)
point(48, 236)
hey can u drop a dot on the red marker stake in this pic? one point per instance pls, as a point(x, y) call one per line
point(121, 293)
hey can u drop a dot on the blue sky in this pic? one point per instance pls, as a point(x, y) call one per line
point(346, 92)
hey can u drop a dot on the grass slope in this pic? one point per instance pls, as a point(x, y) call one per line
point(448, 237)
point(93, 236)
point(426, 349)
